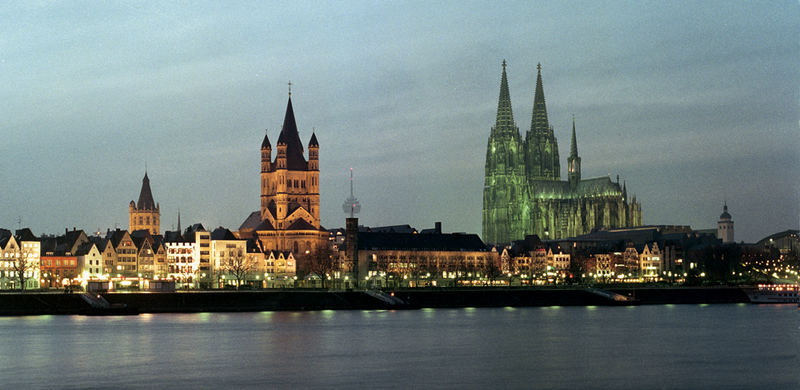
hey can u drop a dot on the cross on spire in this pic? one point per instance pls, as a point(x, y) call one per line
point(290, 89)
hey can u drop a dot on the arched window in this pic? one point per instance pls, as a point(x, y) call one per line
point(296, 248)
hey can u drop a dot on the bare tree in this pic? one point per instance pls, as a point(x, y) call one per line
point(493, 272)
point(22, 266)
point(321, 264)
point(238, 266)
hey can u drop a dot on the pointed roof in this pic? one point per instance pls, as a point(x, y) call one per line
point(725, 214)
point(539, 121)
point(505, 116)
point(291, 138)
point(251, 221)
point(265, 144)
point(222, 233)
point(573, 148)
point(146, 201)
point(313, 142)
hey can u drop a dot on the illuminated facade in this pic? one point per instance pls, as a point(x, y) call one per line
point(144, 214)
point(15, 249)
point(523, 192)
point(288, 219)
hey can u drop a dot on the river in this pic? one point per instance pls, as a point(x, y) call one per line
point(734, 346)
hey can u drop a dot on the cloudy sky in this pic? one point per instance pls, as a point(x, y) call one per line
point(692, 103)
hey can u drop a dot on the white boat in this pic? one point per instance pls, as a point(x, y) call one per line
point(774, 293)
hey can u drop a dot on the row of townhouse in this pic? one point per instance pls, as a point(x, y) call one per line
point(637, 262)
point(540, 263)
point(550, 261)
point(196, 258)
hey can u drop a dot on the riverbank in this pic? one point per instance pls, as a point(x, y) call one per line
point(38, 303)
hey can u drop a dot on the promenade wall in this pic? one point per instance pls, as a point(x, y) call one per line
point(35, 303)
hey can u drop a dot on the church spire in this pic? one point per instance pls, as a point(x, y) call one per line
point(574, 161)
point(539, 123)
point(146, 201)
point(573, 148)
point(505, 117)
point(291, 139)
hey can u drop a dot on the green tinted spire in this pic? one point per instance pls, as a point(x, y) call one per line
point(573, 148)
point(505, 118)
point(539, 121)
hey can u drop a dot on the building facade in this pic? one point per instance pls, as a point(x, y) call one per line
point(288, 219)
point(523, 193)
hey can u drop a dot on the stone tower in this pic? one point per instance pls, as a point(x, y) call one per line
point(144, 214)
point(288, 218)
point(290, 182)
point(725, 226)
point(505, 194)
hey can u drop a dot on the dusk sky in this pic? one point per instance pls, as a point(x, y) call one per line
point(692, 103)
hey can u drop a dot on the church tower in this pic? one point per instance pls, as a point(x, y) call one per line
point(145, 214)
point(290, 182)
point(574, 162)
point(506, 216)
point(288, 218)
point(725, 226)
point(541, 147)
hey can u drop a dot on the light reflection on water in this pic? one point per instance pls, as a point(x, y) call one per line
point(664, 347)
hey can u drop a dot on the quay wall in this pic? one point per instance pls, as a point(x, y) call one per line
point(36, 303)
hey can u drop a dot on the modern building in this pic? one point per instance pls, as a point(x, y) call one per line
point(725, 226)
point(288, 220)
point(145, 213)
point(523, 192)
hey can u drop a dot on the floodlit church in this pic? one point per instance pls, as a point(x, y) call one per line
point(145, 214)
point(288, 219)
point(523, 192)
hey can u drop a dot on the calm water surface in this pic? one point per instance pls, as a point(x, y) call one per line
point(646, 347)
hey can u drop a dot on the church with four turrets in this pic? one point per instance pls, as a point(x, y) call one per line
point(523, 193)
point(288, 219)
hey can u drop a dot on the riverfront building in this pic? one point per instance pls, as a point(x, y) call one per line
point(523, 192)
point(415, 259)
point(288, 219)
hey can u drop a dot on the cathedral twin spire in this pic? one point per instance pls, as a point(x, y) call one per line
point(539, 123)
point(505, 116)
point(539, 150)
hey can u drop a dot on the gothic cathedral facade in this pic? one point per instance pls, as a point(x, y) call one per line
point(523, 192)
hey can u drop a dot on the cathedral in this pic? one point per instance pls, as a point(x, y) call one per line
point(288, 219)
point(523, 192)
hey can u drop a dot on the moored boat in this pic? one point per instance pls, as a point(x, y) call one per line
point(774, 293)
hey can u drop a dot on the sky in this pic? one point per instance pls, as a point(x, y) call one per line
point(691, 103)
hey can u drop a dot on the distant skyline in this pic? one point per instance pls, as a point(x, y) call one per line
point(693, 104)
